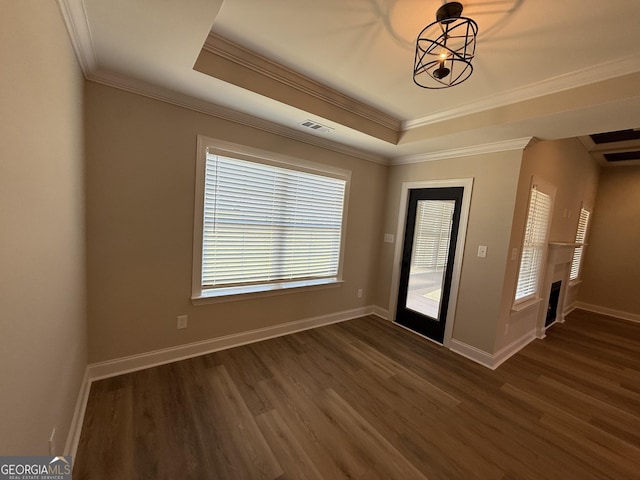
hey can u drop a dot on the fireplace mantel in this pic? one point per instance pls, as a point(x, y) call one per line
point(558, 266)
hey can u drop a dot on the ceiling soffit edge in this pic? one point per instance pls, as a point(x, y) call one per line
point(78, 29)
point(587, 142)
point(235, 53)
point(598, 151)
point(79, 32)
point(77, 24)
point(165, 95)
point(504, 146)
point(609, 147)
point(560, 83)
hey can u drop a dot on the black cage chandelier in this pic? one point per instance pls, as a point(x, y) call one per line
point(445, 48)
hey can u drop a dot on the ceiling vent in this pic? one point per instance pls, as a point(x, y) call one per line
point(318, 127)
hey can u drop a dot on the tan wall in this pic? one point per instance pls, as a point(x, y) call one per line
point(612, 263)
point(566, 165)
point(42, 293)
point(140, 198)
point(495, 180)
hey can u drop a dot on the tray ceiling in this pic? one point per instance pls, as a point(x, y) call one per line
point(543, 69)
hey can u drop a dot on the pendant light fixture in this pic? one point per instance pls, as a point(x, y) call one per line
point(445, 48)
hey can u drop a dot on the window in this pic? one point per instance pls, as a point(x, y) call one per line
point(265, 223)
point(534, 246)
point(581, 236)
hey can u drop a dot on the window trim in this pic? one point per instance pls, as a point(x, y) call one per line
point(534, 298)
point(207, 144)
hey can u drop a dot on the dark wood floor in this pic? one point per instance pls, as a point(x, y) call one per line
point(367, 400)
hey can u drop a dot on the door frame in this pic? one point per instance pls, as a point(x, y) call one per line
point(467, 184)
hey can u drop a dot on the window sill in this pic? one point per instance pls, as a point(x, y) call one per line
point(519, 307)
point(231, 294)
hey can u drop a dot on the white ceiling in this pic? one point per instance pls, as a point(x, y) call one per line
point(364, 49)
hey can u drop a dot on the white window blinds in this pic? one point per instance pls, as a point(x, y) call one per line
point(434, 220)
point(533, 249)
point(581, 236)
point(266, 224)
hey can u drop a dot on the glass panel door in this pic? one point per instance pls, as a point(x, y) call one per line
point(431, 233)
point(434, 219)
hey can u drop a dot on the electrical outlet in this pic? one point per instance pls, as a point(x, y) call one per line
point(52, 443)
point(506, 328)
point(359, 293)
point(482, 251)
point(182, 321)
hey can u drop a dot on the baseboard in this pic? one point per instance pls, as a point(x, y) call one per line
point(514, 347)
point(120, 366)
point(569, 309)
point(631, 317)
point(472, 353)
point(73, 437)
point(491, 360)
point(380, 312)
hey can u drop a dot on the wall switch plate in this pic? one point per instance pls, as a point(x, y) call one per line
point(388, 238)
point(359, 293)
point(182, 321)
point(482, 251)
point(514, 254)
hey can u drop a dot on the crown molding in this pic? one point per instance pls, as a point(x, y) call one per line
point(165, 95)
point(77, 23)
point(505, 146)
point(579, 78)
point(246, 58)
point(587, 142)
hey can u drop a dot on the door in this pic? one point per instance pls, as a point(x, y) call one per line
point(429, 249)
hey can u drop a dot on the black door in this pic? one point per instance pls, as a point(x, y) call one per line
point(429, 250)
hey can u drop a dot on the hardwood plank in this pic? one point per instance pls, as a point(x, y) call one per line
point(382, 458)
point(286, 447)
point(598, 412)
point(399, 415)
point(111, 441)
point(565, 424)
point(314, 431)
point(247, 370)
point(366, 399)
point(613, 457)
point(224, 418)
